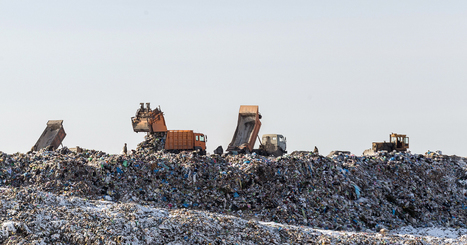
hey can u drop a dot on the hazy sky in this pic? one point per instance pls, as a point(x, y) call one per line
point(335, 74)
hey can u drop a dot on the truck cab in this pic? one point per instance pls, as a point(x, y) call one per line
point(400, 141)
point(200, 141)
point(274, 144)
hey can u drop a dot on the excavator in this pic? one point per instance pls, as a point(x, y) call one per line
point(153, 123)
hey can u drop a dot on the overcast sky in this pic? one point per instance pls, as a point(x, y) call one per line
point(333, 74)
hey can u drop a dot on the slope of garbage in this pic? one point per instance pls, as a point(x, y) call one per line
point(153, 197)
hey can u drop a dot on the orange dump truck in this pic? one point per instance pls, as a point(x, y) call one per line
point(153, 122)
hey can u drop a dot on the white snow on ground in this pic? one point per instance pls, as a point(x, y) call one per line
point(439, 232)
point(429, 232)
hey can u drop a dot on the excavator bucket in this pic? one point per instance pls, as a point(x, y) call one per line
point(148, 120)
point(52, 136)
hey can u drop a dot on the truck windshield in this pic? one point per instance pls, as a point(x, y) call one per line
point(201, 138)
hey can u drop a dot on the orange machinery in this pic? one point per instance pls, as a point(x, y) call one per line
point(180, 140)
point(153, 122)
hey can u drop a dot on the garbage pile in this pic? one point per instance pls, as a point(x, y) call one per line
point(152, 143)
point(37, 217)
point(340, 192)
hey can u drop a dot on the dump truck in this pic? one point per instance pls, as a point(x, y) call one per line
point(247, 130)
point(52, 136)
point(153, 123)
point(397, 142)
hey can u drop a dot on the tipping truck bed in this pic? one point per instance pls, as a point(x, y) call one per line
point(52, 136)
point(248, 126)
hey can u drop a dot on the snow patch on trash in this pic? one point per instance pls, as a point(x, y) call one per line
point(438, 232)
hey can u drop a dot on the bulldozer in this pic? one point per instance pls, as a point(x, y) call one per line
point(153, 123)
point(397, 142)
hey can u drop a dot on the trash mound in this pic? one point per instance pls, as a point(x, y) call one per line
point(37, 217)
point(152, 143)
point(340, 192)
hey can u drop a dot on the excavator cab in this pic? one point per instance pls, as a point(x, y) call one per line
point(400, 141)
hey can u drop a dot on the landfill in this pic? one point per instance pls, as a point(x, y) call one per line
point(154, 197)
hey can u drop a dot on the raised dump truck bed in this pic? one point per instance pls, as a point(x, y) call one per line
point(52, 136)
point(248, 126)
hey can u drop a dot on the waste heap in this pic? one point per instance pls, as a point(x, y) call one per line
point(152, 143)
point(342, 192)
point(44, 218)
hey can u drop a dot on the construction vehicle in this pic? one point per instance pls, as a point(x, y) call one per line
point(52, 136)
point(148, 120)
point(397, 142)
point(153, 123)
point(247, 130)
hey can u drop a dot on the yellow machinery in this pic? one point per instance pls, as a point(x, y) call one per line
point(397, 142)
